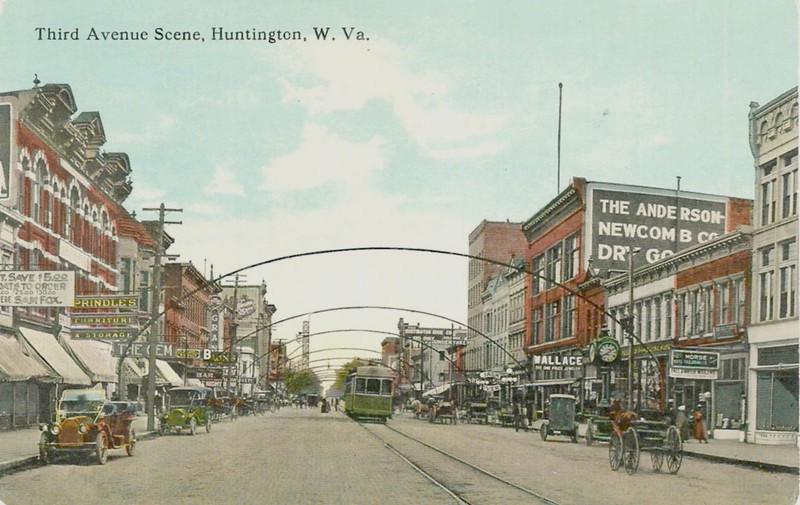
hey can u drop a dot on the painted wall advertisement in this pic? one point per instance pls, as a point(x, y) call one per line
point(659, 224)
point(37, 288)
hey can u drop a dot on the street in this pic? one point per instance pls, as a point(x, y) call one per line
point(299, 456)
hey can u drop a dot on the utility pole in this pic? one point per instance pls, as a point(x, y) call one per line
point(234, 325)
point(630, 319)
point(155, 329)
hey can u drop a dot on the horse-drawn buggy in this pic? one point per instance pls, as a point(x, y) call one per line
point(444, 412)
point(632, 434)
point(476, 412)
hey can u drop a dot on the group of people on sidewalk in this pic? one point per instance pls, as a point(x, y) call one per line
point(696, 429)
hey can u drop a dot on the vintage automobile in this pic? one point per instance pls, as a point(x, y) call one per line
point(86, 423)
point(560, 418)
point(186, 408)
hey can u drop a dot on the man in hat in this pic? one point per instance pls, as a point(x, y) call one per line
point(681, 423)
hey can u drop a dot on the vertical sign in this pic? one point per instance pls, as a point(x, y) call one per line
point(5, 150)
point(215, 324)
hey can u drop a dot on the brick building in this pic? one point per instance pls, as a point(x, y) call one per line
point(689, 320)
point(584, 234)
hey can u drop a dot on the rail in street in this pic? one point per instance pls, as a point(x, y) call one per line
point(466, 482)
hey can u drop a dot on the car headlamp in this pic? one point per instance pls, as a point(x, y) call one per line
point(55, 429)
point(83, 429)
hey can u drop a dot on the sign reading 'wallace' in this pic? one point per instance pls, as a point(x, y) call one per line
point(557, 362)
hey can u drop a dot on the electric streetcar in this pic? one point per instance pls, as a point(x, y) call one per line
point(368, 393)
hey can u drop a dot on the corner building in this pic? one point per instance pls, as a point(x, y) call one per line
point(772, 408)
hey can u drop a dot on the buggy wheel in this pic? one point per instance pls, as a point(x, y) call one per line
point(44, 454)
point(131, 441)
point(100, 449)
point(543, 432)
point(630, 451)
point(589, 433)
point(192, 426)
point(674, 449)
point(615, 451)
point(161, 428)
point(657, 459)
point(208, 424)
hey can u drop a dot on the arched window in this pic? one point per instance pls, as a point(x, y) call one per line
point(40, 175)
point(70, 220)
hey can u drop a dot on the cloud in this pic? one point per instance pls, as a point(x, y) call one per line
point(322, 158)
point(204, 208)
point(657, 140)
point(224, 182)
point(147, 195)
point(325, 79)
point(156, 129)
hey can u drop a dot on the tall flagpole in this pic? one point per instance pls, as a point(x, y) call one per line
point(558, 174)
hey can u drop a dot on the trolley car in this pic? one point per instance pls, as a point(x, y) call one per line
point(368, 393)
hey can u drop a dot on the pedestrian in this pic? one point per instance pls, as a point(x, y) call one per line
point(682, 423)
point(699, 427)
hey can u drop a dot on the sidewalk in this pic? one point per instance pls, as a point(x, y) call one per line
point(19, 448)
point(773, 458)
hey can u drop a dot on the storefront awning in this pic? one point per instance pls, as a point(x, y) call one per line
point(96, 358)
point(775, 368)
point(437, 390)
point(554, 382)
point(56, 356)
point(18, 362)
point(168, 373)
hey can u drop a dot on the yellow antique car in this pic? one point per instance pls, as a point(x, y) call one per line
point(87, 423)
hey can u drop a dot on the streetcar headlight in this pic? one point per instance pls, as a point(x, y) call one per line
point(55, 429)
point(83, 429)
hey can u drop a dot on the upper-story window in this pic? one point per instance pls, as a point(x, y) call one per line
point(787, 278)
point(571, 257)
point(789, 184)
point(553, 273)
point(539, 280)
point(768, 193)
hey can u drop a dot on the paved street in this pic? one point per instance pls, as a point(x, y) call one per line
point(304, 457)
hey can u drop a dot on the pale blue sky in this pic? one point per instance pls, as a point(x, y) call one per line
point(446, 116)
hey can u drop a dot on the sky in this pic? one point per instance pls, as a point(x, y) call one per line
point(430, 118)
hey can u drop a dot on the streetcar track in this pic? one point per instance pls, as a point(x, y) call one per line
point(459, 497)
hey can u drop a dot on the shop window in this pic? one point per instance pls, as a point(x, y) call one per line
point(776, 400)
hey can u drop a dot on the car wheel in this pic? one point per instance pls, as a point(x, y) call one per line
point(131, 441)
point(100, 449)
point(44, 454)
point(192, 426)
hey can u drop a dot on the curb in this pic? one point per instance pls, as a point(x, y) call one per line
point(26, 463)
point(767, 467)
